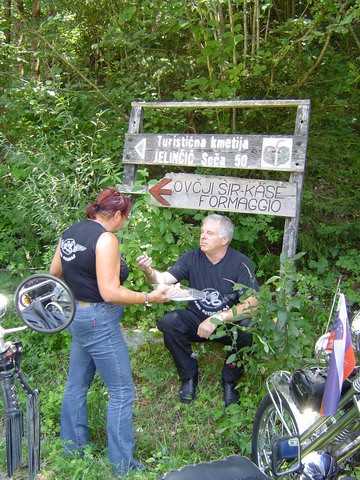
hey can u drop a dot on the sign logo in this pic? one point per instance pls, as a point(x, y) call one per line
point(276, 152)
point(68, 248)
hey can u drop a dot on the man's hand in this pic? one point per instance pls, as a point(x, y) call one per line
point(206, 328)
point(144, 263)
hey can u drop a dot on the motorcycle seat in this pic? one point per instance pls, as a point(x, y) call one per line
point(234, 467)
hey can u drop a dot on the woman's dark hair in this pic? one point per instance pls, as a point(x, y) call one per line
point(107, 203)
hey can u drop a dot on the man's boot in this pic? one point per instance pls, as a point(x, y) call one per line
point(187, 392)
point(231, 395)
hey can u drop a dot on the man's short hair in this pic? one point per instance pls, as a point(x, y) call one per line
point(226, 227)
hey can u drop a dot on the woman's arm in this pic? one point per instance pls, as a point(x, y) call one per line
point(56, 267)
point(108, 276)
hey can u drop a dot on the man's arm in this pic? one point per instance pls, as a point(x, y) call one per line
point(154, 277)
point(246, 308)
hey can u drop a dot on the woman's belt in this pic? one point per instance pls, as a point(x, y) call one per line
point(82, 304)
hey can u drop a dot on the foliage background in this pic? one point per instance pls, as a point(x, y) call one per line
point(68, 74)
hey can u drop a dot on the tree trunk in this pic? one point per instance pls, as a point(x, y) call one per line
point(18, 31)
point(7, 18)
point(255, 28)
point(246, 40)
point(35, 43)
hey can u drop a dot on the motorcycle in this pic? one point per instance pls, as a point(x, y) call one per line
point(46, 305)
point(291, 437)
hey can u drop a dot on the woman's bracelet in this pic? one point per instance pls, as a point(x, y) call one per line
point(146, 303)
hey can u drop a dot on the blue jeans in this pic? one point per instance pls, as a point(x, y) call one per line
point(97, 344)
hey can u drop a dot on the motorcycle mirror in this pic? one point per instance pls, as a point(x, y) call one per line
point(45, 303)
point(324, 347)
point(286, 456)
point(3, 305)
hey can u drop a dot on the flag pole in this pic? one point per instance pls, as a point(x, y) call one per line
point(333, 304)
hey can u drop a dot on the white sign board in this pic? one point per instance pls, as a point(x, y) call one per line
point(271, 152)
point(228, 194)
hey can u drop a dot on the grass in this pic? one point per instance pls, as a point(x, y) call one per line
point(169, 435)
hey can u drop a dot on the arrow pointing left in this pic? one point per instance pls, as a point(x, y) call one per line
point(140, 148)
point(157, 191)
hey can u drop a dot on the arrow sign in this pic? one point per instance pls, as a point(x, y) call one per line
point(229, 194)
point(140, 148)
point(157, 191)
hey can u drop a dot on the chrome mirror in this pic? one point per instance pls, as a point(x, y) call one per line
point(324, 347)
point(286, 455)
point(45, 303)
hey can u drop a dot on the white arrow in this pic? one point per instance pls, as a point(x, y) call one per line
point(141, 148)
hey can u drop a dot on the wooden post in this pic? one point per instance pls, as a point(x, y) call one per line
point(135, 126)
point(221, 152)
point(291, 228)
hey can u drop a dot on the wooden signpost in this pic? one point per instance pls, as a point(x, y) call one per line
point(283, 153)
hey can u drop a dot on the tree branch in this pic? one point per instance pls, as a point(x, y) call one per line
point(318, 61)
point(69, 64)
point(357, 41)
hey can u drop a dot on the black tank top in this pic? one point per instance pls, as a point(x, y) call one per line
point(78, 259)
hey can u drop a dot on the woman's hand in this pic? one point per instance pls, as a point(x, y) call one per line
point(160, 295)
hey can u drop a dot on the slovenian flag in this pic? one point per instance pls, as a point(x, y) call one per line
point(342, 361)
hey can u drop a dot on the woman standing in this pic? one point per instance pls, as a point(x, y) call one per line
point(88, 259)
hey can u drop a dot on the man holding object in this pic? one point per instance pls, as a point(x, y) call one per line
point(213, 268)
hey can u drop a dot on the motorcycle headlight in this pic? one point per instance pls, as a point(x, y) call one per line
point(3, 305)
point(355, 332)
point(320, 466)
point(355, 335)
